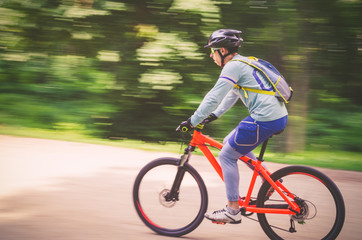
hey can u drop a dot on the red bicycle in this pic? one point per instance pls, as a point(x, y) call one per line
point(295, 202)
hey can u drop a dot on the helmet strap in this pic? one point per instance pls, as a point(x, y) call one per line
point(223, 57)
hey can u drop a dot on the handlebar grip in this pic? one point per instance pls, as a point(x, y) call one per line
point(184, 129)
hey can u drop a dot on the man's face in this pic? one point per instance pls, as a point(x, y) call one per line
point(216, 56)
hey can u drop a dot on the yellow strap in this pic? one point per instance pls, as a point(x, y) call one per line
point(278, 80)
point(253, 90)
point(258, 91)
point(253, 58)
point(237, 86)
point(241, 88)
point(245, 93)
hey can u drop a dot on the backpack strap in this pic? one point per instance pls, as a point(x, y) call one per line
point(248, 61)
point(253, 90)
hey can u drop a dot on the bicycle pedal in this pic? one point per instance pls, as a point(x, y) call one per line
point(236, 222)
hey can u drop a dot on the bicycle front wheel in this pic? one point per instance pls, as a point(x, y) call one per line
point(321, 203)
point(171, 216)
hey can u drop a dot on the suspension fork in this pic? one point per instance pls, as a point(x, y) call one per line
point(175, 189)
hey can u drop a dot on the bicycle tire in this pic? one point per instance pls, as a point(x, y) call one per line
point(198, 200)
point(312, 186)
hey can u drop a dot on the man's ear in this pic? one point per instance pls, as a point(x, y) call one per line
point(224, 51)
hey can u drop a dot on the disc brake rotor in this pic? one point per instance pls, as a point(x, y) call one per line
point(307, 212)
point(166, 203)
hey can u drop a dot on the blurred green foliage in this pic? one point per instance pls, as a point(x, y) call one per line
point(136, 68)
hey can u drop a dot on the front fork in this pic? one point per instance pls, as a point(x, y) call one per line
point(173, 195)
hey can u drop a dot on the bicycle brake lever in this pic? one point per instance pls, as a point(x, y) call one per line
point(178, 129)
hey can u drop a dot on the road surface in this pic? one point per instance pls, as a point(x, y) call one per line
point(53, 190)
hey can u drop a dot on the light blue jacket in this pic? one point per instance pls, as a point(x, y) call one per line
point(224, 95)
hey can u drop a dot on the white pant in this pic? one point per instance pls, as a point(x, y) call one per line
point(228, 159)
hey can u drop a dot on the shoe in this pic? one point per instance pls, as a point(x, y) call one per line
point(223, 216)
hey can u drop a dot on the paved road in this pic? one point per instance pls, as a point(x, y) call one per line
point(73, 191)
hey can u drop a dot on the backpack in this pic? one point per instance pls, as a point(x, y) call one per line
point(281, 89)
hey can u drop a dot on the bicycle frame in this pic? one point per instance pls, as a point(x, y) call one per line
point(203, 142)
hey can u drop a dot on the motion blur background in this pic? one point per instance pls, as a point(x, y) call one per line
point(134, 69)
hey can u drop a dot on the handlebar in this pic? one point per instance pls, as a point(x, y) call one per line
point(184, 129)
point(212, 117)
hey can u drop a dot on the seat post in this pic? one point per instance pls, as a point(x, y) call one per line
point(262, 151)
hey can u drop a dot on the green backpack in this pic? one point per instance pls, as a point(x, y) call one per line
point(281, 89)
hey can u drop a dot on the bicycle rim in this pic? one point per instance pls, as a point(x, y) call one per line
point(172, 218)
point(322, 205)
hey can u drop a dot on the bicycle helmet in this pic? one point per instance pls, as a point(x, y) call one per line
point(227, 38)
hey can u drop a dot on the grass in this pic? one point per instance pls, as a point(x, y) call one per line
point(74, 136)
point(327, 159)
point(332, 159)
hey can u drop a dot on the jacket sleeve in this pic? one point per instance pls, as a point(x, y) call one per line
point(229, 100)
point(211, 101)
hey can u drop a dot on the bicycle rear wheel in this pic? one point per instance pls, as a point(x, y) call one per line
point(174, 216)
point(320, 200)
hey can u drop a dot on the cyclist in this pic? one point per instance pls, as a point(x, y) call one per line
point(268, 115)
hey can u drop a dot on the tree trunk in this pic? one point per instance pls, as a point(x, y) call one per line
point(296, 130)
